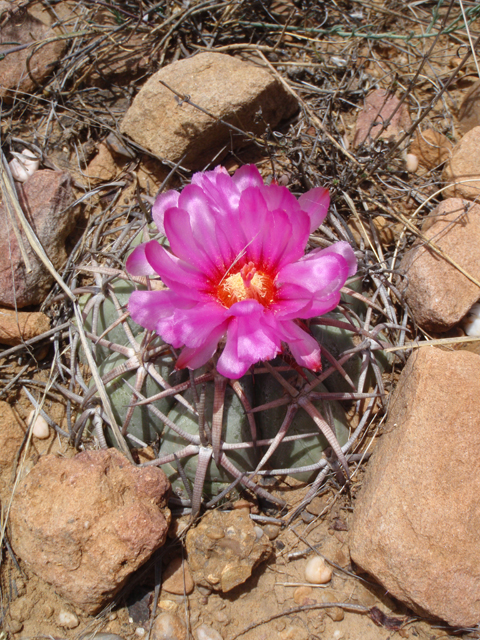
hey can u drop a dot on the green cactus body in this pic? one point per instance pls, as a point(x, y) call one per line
point(235, 430)
point(305, 451)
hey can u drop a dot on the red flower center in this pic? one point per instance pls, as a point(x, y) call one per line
point(247, 284)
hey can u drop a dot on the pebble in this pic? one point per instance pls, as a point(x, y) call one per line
point(471, 322)
point(23, 165)
point(204, 632)
point(301, 593)
point(271, 531)
point(40, 428)
point(168, 626)
point(67, 620)
point(15, 626)
point(317, 571)
point(411, 162)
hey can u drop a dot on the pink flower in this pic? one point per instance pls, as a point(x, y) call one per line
point(236, 269)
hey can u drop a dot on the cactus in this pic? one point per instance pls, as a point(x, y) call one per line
point(156, 405)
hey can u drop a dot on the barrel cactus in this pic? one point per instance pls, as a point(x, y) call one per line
point(221, 372)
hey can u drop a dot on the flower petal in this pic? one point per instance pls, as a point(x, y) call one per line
point(193, 326)
point(247, 176)
point(195, 358)
point(339, 248)
point(150, 308)
point(137, 263)
point(315, 202)
point(183, 242)
point(320, 274)
point(179, 276)
point(164, 201)
point(251, 337)
point(205, 222)
point(305, 349)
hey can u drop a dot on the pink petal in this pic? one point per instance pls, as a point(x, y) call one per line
point(179, 276)
point(251, 337)
point(339, 248)
point(253, 211)
point(278, 197)
point(205, 223)
point(315, 202)
point(137, 263)
point(184, 244)
point(320, 275)
point(193, 326)
point(164, 201)
point(247, 176)
point(195, 358)
point(150, 308)
point(305, 349)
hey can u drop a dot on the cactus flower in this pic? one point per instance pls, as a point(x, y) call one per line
point(237, 273)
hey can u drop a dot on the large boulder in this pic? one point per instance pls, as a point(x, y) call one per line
point(242, 94)
point(438, 294)
point(85, 524)
point(416, 521)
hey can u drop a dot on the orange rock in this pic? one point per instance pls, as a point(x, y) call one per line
point(104, 167)
point(177, 578)
point(17, 326)
point(469, 113)
point(85, 524)
point(431, 148)
point(415, 519)
point(437, 293)
point(462, 171)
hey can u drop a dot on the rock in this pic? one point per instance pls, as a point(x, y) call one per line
point(204, 632)
point(437, 293)
point(415, 521)
point(85, 524)
point(40, 428)
point(45, 198)
point(23, 165)
point(469, 113)
point(224, 86)
point(11, 438)
point(24, 27)
point(431, 148)
point(67, 620)
point(271, 531)
point(464, 165)
point(222, 563)
point(378, 108)
point(301, 594)
point(168, 626)
point(177, 577)
point(317, 571)
point(19, 326)
point(104, 166)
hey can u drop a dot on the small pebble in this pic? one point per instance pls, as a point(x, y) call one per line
point(242, 504)
point(258, 531)
point(301, 593)
point(215, 533)
point(67, 620)
point(168, 626)
point(15, 626)
point(204, 632)
point(317, 571)
point(471, 322)
point(40, 428)
point(411, 161)
point(140, 632)
point(271, 531)
point(23, 165)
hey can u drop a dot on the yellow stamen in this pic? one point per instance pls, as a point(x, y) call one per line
point(247, 284)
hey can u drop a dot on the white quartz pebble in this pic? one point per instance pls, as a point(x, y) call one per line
point(317, 571)
point(40, 427)
point(471, 322)
point(204, 632)
point(411, 161)
point(23, 165)
point(67, 620)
